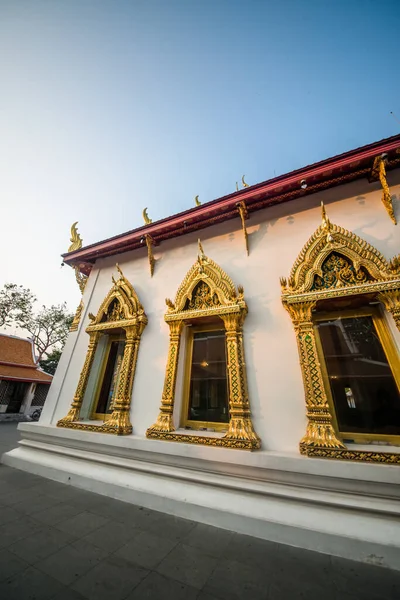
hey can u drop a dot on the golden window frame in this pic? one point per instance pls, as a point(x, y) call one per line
point(222, 300)
point(365, 272)
point(120, 309)
point(186, 422)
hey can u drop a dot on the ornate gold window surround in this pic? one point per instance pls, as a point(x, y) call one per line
point(317, 277)
point(207, 291)
point(120, 309)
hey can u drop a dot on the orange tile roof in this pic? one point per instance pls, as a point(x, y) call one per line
point(10, 372)
point(18, 361)
point(16, 350)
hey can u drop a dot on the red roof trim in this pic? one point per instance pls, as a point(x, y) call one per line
point(24, 380)
point(330, 172)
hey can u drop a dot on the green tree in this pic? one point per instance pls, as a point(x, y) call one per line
point(49, 328)
point(16, 303)
point(50, 362)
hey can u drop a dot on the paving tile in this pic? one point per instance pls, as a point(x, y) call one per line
point(71, 562)
point(41, 544)
point(86, 500)
point(8, 514)
point(305, 566)
point(135, 516)
point(82, 524)
point(188, 565)
point(17, 530)
point(10, 564)
point(31, 584)
point(146, 549)
point(207, 596)
point(173, 528)
point(211, 540)
point(252, 551)
point(158, 587)
point(361, 578)
point(112, 535)
point(56, 514)
point(15, 496)
point(289, 588)
point(35, 504)
point(68, 594)
point(114, 578)
point(232, 580)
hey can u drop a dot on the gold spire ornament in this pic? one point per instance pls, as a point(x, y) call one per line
point(237, 187)
point(386, 197)
point(245, 185)
point(326, 224)
point(146, 217)
point(81, 279)
point(197, 201)
point(75, 238)
point(243, 212)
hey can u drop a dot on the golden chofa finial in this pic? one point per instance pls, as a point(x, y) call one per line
point(75, 238)
point(326, 224)
point(197, 201)
point(146, 217)
point(245, 185)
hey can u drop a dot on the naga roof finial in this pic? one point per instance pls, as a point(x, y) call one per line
point(75, 238)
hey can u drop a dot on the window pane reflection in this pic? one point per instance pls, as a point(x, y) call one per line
point(208, 399)
point(110, 377)
point(364, 391)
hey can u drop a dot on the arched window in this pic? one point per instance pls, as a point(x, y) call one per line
point(117, 327)
point(212, 312)
point(336, 294)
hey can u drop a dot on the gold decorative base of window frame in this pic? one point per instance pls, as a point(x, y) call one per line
point(353, 455)
point(203, 440)
point(104, 428)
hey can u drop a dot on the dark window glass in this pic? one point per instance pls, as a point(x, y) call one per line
point(208, 400)
point(110, 376)
point(364, 391)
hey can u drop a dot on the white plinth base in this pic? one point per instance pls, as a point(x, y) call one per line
point(345, 509)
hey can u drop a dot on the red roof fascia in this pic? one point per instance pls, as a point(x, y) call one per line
point(26, 374)
point(325, 174)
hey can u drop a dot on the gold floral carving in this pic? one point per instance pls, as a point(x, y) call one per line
point(379, 172)
point(120, 309)
point(243, 212)
point(208, 291)
point(333, 263)
point(77, 317)
point(150, 244)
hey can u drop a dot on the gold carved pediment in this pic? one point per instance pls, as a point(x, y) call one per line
point(333, 258)
point(206, 289)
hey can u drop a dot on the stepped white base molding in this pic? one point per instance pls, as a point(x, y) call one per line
point(342, 508)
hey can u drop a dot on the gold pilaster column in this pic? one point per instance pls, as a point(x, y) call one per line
point(391, 301)
point(119, 423)
point(240, 425)
point(164, 421)
point(320, 432)
point(74, 411)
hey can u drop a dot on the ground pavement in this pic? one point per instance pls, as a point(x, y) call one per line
point(58, 542)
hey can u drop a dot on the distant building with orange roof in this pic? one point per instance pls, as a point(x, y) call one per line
point(23, 385)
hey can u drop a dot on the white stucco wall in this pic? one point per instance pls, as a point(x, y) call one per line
point(276, 236)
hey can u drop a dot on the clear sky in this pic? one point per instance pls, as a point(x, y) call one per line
point(110, 106)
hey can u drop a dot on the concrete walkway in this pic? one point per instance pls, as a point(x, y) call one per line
point(62, 543)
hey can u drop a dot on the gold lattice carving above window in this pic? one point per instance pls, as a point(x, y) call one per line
point(337, 271)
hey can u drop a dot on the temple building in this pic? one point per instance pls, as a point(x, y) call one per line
point(23, 384)
point(238, 363)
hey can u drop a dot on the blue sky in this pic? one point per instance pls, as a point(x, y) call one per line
point(110, 106)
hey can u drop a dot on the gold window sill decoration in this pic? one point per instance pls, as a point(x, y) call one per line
point(207, 291)
point(335, 266)
point(119, 311)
